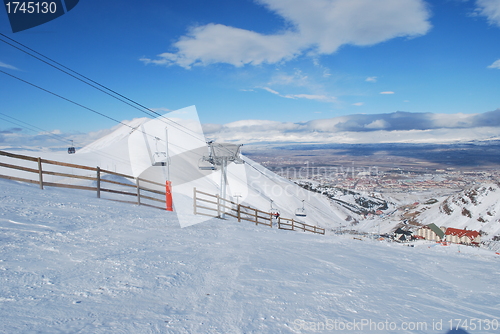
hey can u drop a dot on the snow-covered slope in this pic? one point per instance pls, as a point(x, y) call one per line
point(476, 208)
point(72, 263)
point(130, 149)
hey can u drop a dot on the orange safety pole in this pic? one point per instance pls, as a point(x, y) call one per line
point(168, 195)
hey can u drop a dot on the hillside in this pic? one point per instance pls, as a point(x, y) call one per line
point(72, 263)
point(476, 208)
point(131, 149)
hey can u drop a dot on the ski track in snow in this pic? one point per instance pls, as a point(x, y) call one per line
point(70, 263)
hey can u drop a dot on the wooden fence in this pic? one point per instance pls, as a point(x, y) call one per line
point(215, 206)
point(291, 224)
point(138, 185)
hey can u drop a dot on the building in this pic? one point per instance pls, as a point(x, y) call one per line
point(431, 232)
point(459, 236)
point(454, 235)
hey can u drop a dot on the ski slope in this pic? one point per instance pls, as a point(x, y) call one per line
point(71, 263)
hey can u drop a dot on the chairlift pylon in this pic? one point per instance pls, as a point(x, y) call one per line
point(301, 212)
point(71, 149)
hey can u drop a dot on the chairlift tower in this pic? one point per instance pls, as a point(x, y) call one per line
point(220, 155)
point(162, 159)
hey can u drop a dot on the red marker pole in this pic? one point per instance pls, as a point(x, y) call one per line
point(168, 195)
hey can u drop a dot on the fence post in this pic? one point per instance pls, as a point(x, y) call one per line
point(293, 225)
point(239, 213)
point(98, 182)
point(218, 205)
point(256, 217)
point(194, 200)
point(40, 173)
point(138, 191)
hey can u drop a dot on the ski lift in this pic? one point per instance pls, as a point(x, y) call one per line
point(301, 212)
point(205, 164)
point(71, 149)
point(220, 154)
point(159, 158)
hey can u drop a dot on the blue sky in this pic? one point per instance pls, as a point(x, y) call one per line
point(276, 60)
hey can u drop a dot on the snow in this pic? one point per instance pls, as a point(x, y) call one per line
point(128, 149)
point(71, 263)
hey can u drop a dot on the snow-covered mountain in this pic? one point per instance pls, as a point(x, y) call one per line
point(476, 208)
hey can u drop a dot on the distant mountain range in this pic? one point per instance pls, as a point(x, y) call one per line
point(397, 127)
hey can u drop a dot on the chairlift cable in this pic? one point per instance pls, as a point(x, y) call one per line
point(48, 133)
point(93, 83)
point(73, 102)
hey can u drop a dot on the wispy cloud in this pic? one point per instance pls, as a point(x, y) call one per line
point(317, 27)
point(371, 79)
point(322, 98)
point(271, 90)
point(387, 93)
point(4, 65)
point(496, 64)
point(490, 9)
point(161, 109)
point(358, 104)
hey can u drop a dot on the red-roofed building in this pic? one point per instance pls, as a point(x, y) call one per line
point(459, 236)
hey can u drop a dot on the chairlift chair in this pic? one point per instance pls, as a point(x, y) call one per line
point(160, 158)
point(71, 149)
point(205, 164)
point(301, 212)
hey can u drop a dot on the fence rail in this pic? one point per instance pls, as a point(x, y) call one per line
point(291, 224)
point(214, 206)
point(138, 184)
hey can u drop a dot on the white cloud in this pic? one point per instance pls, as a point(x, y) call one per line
point(271, 90)
point(316, 27)
point(387, 93)
point(490, 9)
point(358, 104)
point(371, 79)
point(366, 128)
point(298, 79)
point(322, 98)
point(378, 124)
point(4, 65)
point(496, 64)
point(164, 110)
